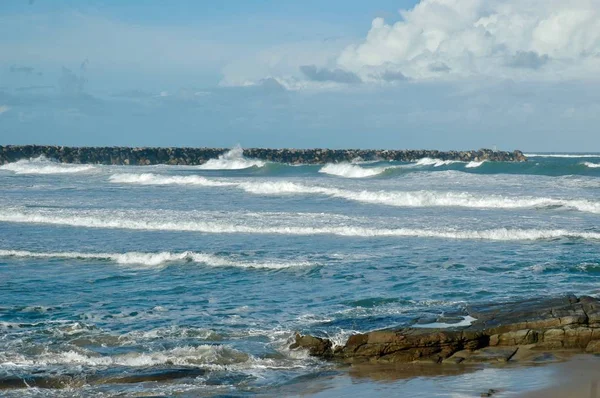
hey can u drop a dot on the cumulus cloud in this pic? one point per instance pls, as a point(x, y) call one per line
point(329, 75)
point(465, 38)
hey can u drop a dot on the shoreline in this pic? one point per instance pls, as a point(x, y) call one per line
point(197, 156)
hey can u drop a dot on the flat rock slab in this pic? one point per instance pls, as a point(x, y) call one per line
point(529, 330)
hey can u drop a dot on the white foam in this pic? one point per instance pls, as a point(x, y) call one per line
point(560, 155)
point(157, 179)
point(42, 165)
point(348, 170)
point(435, 162)
point(421, 198)
point(592, 165)
point(388, 198)
point(162, 258)
point(467, 321)
point(126, 221)
point(183, 356)
point(474, 164)
point(232, 160)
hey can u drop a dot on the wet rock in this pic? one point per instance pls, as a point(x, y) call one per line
point(316, 346)
point(531, 330)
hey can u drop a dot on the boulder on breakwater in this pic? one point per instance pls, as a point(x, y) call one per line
point(534, 330)
point(198, 156)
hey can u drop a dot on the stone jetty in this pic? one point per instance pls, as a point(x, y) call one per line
point(535, 330)
point(197, 156)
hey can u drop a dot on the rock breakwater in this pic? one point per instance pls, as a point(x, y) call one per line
point(198, 156)
point(534, 330)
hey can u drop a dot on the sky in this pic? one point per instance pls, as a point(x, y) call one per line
point(434, 74)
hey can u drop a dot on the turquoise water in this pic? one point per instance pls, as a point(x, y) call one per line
point(202, 275)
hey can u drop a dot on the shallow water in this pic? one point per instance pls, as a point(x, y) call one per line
point(114, 276)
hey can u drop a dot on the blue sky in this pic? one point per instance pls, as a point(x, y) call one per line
point(404, 74)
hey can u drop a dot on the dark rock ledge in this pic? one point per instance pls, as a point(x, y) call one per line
point(536, 330)
point(197, 156)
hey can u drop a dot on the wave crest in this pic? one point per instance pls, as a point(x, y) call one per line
point(592, 165)
point(156, 259)
point(388, 198)
point(348, 170)
point(43, 165)
point(158, 179)
point(125, 221)
point(435, 162)
point(232, 160)
point(474, 164)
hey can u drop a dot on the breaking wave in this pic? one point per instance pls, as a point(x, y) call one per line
point(473, 164)
point(592, 165)
point(42, 165)
point(157, 179)
point(187, 355)
point(348, 170)
point(422, 198)
point(219, 227)
point(389, 198)
point(156, 259)
point(435, 162)
point(232, 160)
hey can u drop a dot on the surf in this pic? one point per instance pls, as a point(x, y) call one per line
point(129, 221)
point(348, 170)
point(158, 259)
point(43, 165)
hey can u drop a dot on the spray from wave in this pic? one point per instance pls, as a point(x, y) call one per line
point(43, 165)
point(232, 160)
point(156, 259)
point(126, 221)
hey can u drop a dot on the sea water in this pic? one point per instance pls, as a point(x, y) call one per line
point(193, 280)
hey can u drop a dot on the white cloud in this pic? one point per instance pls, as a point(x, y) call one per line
point(521, 39)
point(4, 108)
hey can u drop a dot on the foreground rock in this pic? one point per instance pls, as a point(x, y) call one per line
point(197, 156)
point(537, 330)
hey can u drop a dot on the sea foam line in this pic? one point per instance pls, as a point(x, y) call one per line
point(156, 259)
point(592, 165)
point(212, 227)
point(389, 198)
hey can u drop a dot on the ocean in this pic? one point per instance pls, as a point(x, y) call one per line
point(192, 280)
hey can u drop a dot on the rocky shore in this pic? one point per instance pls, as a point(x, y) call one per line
point(197, 156)
point(536, 330)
